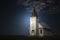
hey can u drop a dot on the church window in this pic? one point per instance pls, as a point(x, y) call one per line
point(41, 31)
point(32, 31)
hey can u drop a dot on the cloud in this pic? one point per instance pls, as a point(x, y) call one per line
point(30, 4)
point(39, 5)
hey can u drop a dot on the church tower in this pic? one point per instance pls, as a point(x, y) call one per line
point(34, 24)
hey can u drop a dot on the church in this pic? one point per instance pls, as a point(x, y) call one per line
point(37, 28)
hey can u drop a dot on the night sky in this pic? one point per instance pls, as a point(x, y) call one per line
point(15, 19)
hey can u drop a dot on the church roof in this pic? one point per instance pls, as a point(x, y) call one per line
point(43, 25)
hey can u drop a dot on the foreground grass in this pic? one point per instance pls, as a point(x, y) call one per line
point(19, 37)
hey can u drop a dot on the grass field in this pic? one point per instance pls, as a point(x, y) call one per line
point(18, 37)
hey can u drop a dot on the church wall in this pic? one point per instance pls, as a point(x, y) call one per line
point(33, 25)
point(41, 32)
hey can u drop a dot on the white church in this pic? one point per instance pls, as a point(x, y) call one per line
point(37, 28)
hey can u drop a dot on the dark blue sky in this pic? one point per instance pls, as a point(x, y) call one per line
point(15, 19)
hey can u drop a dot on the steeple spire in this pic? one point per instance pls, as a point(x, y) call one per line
point(34, 12)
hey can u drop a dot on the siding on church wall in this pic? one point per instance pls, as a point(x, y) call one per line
point(40, 27)
point(41, 32)
point(33, 25)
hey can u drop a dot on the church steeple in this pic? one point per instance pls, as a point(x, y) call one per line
point(33, 23)
point(34, 13)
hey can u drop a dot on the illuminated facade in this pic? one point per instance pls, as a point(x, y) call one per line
point(37, 29)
